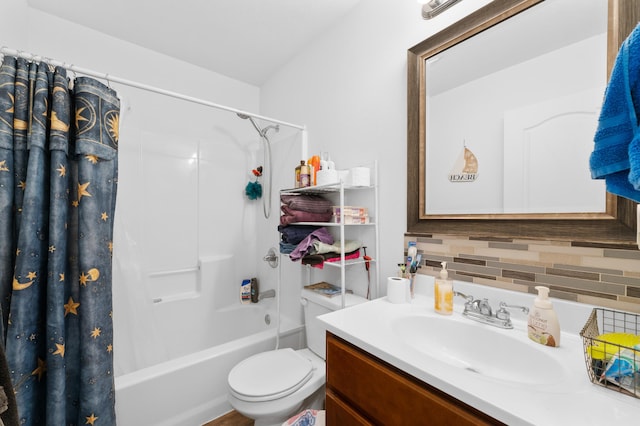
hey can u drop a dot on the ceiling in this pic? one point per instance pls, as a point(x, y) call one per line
point(247, 40)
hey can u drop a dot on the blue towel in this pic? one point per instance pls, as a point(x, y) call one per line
point(616, 154)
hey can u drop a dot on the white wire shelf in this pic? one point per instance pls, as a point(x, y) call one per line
point(324, 189)
point(348, 262)
point(332, 224)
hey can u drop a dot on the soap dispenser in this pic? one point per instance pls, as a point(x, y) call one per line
point(543, 326)
point(443, 292)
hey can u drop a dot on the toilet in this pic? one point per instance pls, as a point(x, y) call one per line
point(272, 386)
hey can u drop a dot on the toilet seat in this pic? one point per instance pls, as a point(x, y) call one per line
point(269, 375)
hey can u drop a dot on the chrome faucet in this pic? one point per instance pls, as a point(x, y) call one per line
point(480, 310)
point(267, 294)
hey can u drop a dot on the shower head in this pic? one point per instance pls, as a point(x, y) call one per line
point(275, 127)
point(262, 132)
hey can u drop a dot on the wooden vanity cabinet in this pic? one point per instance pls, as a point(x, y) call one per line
point(364, 390)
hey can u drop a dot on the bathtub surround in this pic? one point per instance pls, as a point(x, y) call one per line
point(600, 274)
point(58, 179)
point(200, 376)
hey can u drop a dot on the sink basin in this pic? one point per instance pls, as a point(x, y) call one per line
point(481, 349)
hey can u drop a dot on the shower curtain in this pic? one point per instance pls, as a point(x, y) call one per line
point(58, 176)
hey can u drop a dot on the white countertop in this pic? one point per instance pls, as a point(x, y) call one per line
point(571, 400)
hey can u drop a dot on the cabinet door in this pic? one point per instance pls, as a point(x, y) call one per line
point(340, 413)
point(389, 396)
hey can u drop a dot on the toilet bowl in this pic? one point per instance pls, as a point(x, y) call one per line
point(270, 387)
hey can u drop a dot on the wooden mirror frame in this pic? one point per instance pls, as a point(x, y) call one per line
point(616, 227)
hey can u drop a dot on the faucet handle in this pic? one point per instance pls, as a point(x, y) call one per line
point(504, 314)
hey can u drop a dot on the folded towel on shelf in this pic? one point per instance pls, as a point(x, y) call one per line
point(290, 216)
point(616, 154)
point(336, 257)
point(306, 245)
point(320, 247)
point(286, 248)
point(293, 234)
point(318, 260)
point(306, 202)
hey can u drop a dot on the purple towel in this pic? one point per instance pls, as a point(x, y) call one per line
point(305, 246)
point(290, 216)
point(306, 203)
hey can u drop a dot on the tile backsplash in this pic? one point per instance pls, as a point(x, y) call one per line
point(604, 275)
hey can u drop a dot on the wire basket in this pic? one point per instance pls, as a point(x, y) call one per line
point(611, 341)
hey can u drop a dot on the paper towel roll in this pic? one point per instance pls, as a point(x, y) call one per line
point(398, 290)
point(360, 176)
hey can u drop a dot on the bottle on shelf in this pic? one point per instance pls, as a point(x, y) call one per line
point(305, 176)
point(298, 170)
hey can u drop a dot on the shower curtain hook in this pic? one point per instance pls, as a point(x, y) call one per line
point(106, 76)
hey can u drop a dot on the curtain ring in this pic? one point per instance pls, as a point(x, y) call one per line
point(69, 68)
point(106, 77)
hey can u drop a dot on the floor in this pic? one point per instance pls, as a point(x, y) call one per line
point(232, 418)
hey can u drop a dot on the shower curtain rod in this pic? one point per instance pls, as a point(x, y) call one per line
point(110, 78)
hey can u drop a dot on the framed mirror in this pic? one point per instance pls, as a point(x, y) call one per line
point(471, 145)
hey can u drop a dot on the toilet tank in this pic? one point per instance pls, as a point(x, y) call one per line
point(314, 305)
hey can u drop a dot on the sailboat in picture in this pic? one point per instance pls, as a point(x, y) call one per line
point(465, 168)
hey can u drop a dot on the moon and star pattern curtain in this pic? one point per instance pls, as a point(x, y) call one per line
point(58, 176)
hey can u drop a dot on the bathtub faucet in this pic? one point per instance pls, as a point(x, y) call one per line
point(267, 294)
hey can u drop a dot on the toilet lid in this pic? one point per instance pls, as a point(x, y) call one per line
point(270, 375)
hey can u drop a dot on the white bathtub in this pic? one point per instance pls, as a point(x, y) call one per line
point(192, 389)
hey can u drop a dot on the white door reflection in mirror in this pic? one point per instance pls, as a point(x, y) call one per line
point(544, 160)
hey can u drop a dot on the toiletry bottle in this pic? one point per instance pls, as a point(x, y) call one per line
point(543, 326)
point(314, 166)
point(255, 290)
point(245, 292)
point(304, 175)
point(412, 250)
point(443, 292)
point(298, 168)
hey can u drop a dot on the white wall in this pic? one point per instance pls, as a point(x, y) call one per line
point(349, 87)
point(14, 18)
